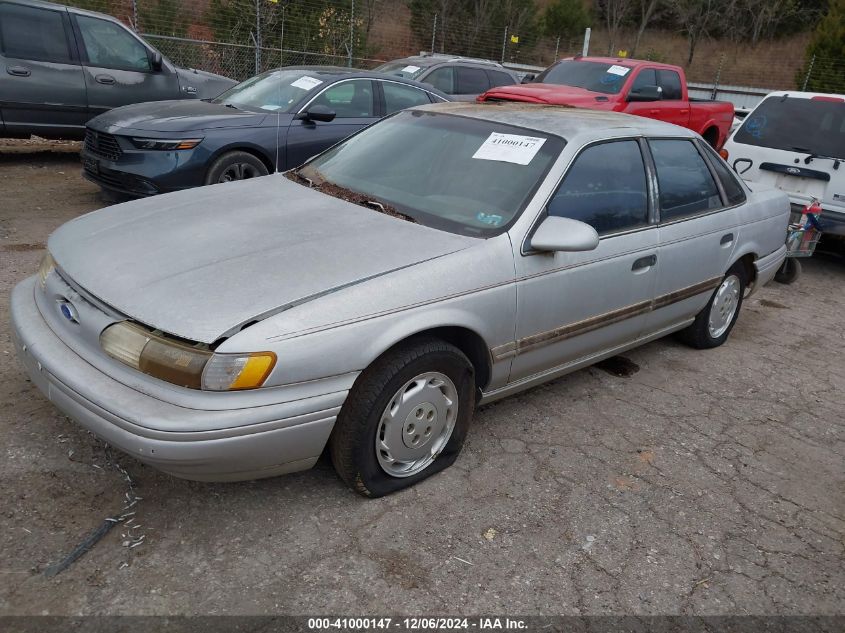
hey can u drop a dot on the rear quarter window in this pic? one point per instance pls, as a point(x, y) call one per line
point(729, 180)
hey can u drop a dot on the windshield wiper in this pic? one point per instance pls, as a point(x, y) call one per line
point(812, 156)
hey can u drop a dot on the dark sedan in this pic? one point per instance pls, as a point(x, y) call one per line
point(272, 122)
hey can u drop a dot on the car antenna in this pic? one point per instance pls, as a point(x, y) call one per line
point(278, 114)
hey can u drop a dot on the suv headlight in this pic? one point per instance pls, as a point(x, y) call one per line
point(183, 364)
point(164, 144)
point(47, 266)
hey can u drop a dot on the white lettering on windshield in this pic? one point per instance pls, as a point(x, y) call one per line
point(509, 148)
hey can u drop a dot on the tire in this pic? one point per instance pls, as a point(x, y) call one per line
point(423, 363)
point(700, 334)
point(789, 272)
point(235, 166)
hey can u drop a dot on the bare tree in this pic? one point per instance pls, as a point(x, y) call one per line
point(648, 10)
point(614, 13)
point(695, 18)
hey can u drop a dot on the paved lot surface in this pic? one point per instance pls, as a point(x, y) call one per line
point(704, 483)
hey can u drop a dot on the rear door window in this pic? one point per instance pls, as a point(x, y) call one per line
point(670, 81)
point(685, 183)
point(109, 45)
point(399, 96)
point(498, 78)
point(472, 81)
point(810, 126)
point(33, 34)
point(443, 79)
point(605, 188)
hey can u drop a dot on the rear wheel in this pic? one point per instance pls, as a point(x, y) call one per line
point(405, 419)
point(714, 323)
point(789, 271)
point(235, 166)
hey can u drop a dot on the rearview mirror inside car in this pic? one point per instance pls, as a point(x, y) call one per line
point(317, 112)
point(156, 60)
point(564, 234)
point(646, 93)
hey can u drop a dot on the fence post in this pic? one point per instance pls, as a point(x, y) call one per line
point(809, 72)
point(282, 36)
point(557, 47)
point(257, 36)
point(433, 33)
point(504, 43)
point(351, 33)
point(586, 50)
point(718, 77)
point(135, 25)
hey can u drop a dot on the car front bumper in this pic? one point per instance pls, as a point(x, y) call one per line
point(261, 441)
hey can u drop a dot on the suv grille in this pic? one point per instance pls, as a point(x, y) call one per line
point(102, 145)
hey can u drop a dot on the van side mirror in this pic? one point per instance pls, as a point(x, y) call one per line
point(156, 61)
point(564, 234)
point(528, 78)
point(317, 112)
point(646, 93)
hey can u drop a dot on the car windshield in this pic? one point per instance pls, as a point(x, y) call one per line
point(810, 126)
point(275, 90)
point(592, 76)
point(462, 175)
point(408, 70)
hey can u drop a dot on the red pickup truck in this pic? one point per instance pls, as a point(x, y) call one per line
point(656, 91)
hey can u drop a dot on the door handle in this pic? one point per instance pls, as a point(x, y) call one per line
point(105, 79)
point(728, 238)
point(18, 71)
point(644, 262)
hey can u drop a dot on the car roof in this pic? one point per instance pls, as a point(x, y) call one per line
point(435, 60)
point(42, 4)
point(797, 94)
point(622, 61)
point(331, 73)
point(563, 121)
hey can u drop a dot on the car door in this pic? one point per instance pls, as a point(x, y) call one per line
point(355, 106)
point(117, 66)
point(571, 306)
point(698, 229)
point(470, 82)
point(42, 90)
point(673, 109)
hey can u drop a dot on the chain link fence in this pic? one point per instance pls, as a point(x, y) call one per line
point(240, 38)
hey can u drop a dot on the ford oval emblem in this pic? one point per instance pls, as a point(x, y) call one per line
point(68, 311)
point(793, 170)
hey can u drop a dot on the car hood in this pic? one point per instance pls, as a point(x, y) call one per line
point(188, 115)
point(201, 263)
point(202, 84)
point(550, 93)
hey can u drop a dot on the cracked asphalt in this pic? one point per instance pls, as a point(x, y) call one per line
point(705, 482)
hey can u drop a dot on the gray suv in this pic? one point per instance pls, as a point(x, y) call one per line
point(60, 66)
point(462, 78)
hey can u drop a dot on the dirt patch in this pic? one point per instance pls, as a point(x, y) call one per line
point(20, 248)
point(618, 366)
point(766, 303)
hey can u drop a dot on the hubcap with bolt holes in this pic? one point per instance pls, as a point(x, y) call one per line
point(416, 424)
point(724, 306)
point(238, 171)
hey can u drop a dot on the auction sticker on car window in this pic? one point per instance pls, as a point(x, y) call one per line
point(410, 69)
point(306, 83)
point(509, 148)
point(618, 70)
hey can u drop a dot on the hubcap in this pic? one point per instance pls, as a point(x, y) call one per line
point(238, 171)
point(416, 424)
point(724, 306)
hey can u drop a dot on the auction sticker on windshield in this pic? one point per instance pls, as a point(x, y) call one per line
point(618, 70)
point(509, 148)
point(306, 83)
point(410, 69)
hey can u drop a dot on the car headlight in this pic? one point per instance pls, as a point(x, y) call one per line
point(184, 364)
point(47, 266)
point(166, 144)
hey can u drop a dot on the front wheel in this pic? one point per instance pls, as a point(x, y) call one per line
point(714, 323)
point(235, 166)
point(405, 419)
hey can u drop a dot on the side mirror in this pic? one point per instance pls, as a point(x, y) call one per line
point(317, 112)
point(528, 78)
point(646, 93)
point(156, 61)
point(563, 234)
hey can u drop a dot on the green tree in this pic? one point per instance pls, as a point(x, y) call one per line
point(565, 18)
point(826, 52)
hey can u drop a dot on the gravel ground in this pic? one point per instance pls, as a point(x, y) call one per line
point(702, 483)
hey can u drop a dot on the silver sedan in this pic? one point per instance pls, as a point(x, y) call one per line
point(443, 258)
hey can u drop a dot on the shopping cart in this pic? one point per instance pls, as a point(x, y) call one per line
point(802, 237)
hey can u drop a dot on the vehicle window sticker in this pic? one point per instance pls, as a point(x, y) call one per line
point(410, 69)
point(618, 70)
point(755, 125)
point(490, 219)
point(509, 148)
point(306, 83)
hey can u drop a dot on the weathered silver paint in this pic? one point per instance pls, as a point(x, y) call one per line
point(330, 286)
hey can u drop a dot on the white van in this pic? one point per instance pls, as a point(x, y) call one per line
point(795, 141)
